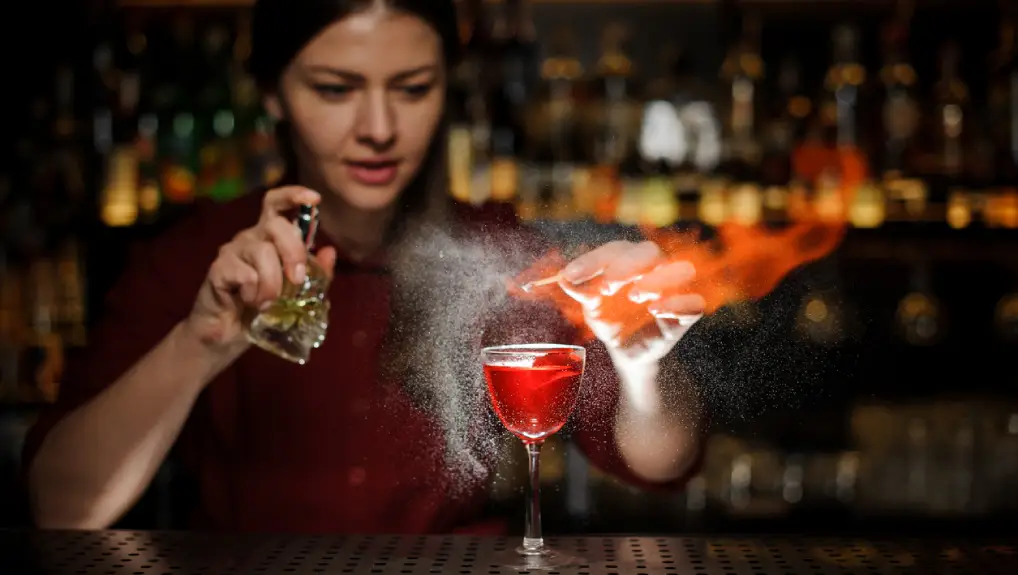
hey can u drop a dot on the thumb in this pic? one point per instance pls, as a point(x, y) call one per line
point(326, 258)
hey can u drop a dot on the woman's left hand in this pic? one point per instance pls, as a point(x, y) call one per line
point(635, 300)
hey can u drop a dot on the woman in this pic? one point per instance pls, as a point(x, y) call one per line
point(361, 439)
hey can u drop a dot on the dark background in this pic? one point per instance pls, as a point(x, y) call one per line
point(779, 399)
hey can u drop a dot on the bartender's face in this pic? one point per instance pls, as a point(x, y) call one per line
point(364, 99)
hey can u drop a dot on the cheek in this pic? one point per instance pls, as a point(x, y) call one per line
point(323, 127)
point(420, 123)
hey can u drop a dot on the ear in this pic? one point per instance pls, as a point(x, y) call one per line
point(273, 106)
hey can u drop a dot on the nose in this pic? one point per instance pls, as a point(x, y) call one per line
point(376, 124)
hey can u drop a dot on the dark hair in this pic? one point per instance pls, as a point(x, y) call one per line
point(281, 28)
point(279, 31)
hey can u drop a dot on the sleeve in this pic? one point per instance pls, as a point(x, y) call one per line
point(153, 294)
point(592, 426)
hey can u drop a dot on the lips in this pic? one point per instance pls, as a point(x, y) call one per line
point(373, 172)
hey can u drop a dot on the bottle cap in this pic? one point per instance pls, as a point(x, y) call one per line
point(307, 222)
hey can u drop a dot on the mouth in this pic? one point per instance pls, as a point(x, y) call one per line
point(374, 172)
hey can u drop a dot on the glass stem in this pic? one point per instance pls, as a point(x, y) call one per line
point(533, 541)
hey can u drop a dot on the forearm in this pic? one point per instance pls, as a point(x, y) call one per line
point(657, 424)
point(98, 460)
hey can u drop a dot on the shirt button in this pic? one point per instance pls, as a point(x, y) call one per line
point(357, 476)
point(359, 338)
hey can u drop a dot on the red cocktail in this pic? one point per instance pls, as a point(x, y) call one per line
point(534, 402)
point(533, 388)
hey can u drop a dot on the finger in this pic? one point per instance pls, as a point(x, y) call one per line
point(231, 276)
point(685, 308)
point(292, 251)
point(676, 314)
point(281, 200)
point(664, 279)
point(592, 264)
point(264, 258)
point(326, 258)
point(629, 266)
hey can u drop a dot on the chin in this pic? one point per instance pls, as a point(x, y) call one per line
point(369, 198)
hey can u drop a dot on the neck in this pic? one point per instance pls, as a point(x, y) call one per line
point(358, 233)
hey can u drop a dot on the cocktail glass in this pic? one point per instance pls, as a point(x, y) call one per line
point(533, 389)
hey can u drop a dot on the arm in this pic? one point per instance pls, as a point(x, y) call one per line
point(118, 414)
point(97, 461)
point(658, 424)
point(645, 427)
point(126, 396)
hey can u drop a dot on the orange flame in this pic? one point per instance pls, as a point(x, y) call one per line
point(741, 263)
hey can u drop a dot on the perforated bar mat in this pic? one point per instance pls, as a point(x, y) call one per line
point(157, 553)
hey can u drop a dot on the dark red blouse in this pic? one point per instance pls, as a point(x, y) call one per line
point(273, 446)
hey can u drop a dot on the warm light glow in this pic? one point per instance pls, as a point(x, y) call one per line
point(746, 204)
point(912, 192)
point(563, 206)
point(776, 199)
point(179, 184)
point(1002, 209)
point(830, 201)
point(584, 192)
point(605, 189)
point(460, 162)
point(630, 208)
point(120, 196)
point(660, 207)
point(868, 208)
point(959, 210)
point(816, 310)
point(818, 320)
point(713, 205)
point(149, 198)
point(480, 184)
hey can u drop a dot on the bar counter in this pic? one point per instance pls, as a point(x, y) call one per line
point(179, 553)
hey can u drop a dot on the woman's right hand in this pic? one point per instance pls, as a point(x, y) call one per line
point(249, 270)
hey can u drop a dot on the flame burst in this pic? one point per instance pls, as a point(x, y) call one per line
point(741, 263)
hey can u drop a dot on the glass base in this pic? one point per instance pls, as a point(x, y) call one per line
point(546, 559)
point(292, 338)
point(278, 344)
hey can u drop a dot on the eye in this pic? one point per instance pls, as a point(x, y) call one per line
point(333, 91)
point(416, 91)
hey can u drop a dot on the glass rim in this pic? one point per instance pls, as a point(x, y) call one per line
point(522, 348)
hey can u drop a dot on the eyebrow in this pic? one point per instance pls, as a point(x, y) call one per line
point(355, 77)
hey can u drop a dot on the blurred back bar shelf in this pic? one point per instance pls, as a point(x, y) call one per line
point(883, 381)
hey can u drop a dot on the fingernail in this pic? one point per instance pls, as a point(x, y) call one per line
point(572, 273)
point(579, 274)
point(299, 273)
point(265, 306)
